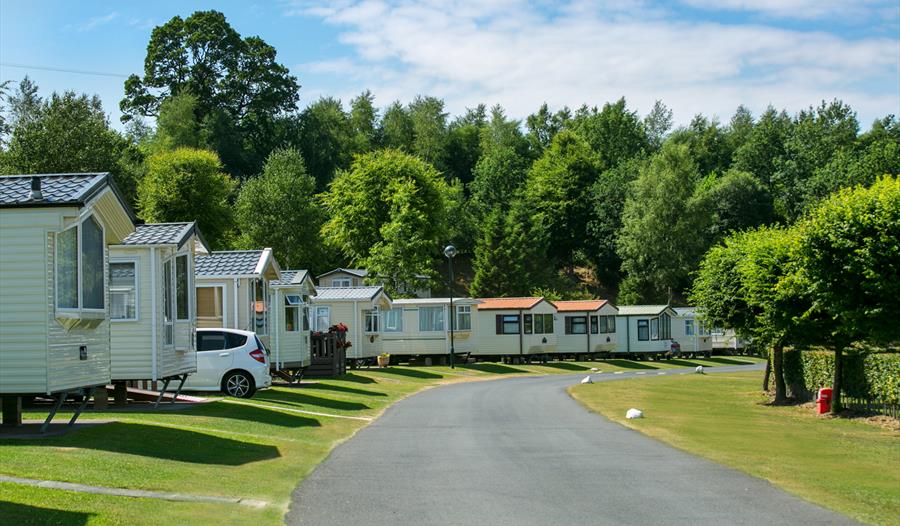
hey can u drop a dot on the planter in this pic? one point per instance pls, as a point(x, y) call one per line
point(384, 361)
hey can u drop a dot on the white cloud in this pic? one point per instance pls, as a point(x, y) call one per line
point(519, 55)
point(97, 21)
point(799, 9)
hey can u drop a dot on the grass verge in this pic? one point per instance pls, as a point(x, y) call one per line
point(260, 449)
point(847, 465)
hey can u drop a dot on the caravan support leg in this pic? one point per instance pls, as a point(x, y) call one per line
point(61, 398)
point(180, 385)
point(162, 392)
point(12, 410)
point(88, 393)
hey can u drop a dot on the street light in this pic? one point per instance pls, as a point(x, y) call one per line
point(450, 252)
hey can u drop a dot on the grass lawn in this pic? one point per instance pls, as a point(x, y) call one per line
point(259, 449)
point(850, 466)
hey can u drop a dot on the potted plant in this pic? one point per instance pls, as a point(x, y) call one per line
point(384, 359)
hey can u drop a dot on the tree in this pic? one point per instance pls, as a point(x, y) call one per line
point(364, 123)
point(607, 201)
point(657, 124)
point(544, 125)
point(737, 202)
point(404, 252)
point(510, 254)
point(359, 201)
point(849, 249)
point(764, 149)
point(556, 193)
point(397, 128)
point(708, 144)
point(177, 125)
point(660, 242)
point(325, 139)
point(240, 88)
point(464, 143)
point(614, 133)
point(429, 126)
point(501, 170)
point(279, 209)
point(186, 185)
point(70, 133)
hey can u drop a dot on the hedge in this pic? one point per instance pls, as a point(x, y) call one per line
point(872, 376)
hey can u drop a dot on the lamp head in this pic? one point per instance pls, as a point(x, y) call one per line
point(450, 251)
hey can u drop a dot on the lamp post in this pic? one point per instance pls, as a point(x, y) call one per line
point(450, 252)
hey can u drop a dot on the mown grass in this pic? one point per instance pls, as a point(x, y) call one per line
point(847, 465)
point(259, 449)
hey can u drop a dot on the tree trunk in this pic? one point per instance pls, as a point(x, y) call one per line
point(778, 370)
point(838, 373)
point(768, 374)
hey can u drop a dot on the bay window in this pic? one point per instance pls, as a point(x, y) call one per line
point(654, 329)
point(168, 303)
point(80, 272)
point(182, 288)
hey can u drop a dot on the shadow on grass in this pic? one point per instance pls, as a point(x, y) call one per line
point(729, 361)
point(24, 515)
point(332, 387)
point(410, 373)
point(355, 378)
point(565, 366)
point(683, 363)
point(629, 364)
point(308, 401)
point(250, 413)
point(493, 368)
point(164, 443)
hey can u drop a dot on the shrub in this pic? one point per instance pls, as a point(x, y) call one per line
point(873, 376)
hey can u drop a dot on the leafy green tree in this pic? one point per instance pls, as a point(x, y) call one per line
point(544, 125)
point(660, 242)
point(325, 139)
point(764, 148)
point(239, 86)
point(708, 143)
point(849, 251)
point(502, 168)
point(556, 192)
point(404, 252)
point(737, 201)
point(186, 185)
point(70, 133)
point(359, 201)
point(510, 254)
point(397, 128)
point(614, 133)
point(364, 123)
point(657, 124)
point(24, 103)
point(464, 143)
point(177, 125)
point(429, 125)
point(279, 209)
point(607, 199)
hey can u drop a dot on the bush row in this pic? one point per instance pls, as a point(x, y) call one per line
point(874, 376)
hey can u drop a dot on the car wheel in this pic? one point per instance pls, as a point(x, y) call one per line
point(239, 385)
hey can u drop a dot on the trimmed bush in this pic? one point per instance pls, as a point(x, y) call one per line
point(872, 376)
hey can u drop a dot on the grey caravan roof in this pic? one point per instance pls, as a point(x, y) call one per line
point(228, 263)
point(290, 277)
point(163, 234)
point(57, 190)
point(347, 293)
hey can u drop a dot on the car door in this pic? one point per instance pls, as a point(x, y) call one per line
point(213, 358)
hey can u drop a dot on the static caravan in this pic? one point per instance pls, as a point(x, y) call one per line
point(233, 290)
point(645, 329)
point(421, 326)
point(54, 284)
point(515, 327)
point(586, 327)
point(152, 303)
point(291, 297)
point(690, 332)
point(358, 308)
point(356, 277)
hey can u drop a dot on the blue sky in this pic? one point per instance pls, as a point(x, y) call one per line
point(695, 55)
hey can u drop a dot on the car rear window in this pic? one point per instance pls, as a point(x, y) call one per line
point(260, 345)
point(210, 341)
point(234, 340)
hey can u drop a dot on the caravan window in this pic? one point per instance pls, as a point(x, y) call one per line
point(431, 319)
point(80, 272)
point(507, 324)
point(371, 320)
point(182, 288)
point(643, 330)
point(258, 308)
point(595, 325)
point(688, 327)
point(576, 325)
point(210, 306)
point(341, 282)
point(654, 329)
point(393, 320)
point(123, 291)
point(463, 318)
point(168, 320)
point(323, 318)
point(665, 326)
point(292, 304)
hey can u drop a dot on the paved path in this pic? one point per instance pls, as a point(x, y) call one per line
point(520, 451)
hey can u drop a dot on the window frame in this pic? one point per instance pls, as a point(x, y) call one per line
point(337, 283)
point(224, 303)
point(689, 327)
point(646, 329)
point(188, 287)
point(505, 319)
point(654, 329)
point(442, 328)
point(390, 313)
point(168, 300)
point(467, 312)
point(594, 324)
point(315, 320)
point(136, 263)
point(570, 324)
point(80, 310)
point(372, 315)
point(293, 311)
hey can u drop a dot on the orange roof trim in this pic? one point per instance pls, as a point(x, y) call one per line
point(508, 303)
point(579, 306)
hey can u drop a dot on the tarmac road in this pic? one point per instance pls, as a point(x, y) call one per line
point(520, 451)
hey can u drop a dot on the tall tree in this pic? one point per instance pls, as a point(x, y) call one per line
point(849, 250)
point(189, 185)
point(556, 192)
point(70, 133)
point(177, 125)
point(764, 148)
point(464, 143)
point(737, 202)
point(543, 126)
point(708, 143)
point(359, 201)
point(397, 128)
point(24, 103)
point(500, 171)
point(279, 209)
point(614, 133)
point(364, 123)
point(325, 139)
point(660, 241)
point(429, 126)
